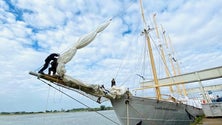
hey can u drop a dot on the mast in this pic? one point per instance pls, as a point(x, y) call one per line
point(171, 58)
point(158, 94)
point(178, 69)
point(162, 51)
point(179, 73)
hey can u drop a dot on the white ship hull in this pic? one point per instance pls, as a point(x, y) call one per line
point(135, 110)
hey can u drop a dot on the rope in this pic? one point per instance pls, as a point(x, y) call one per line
point(123, 62)
point(37, 69)
point(115, 16)
point(120, 14)
point(77, 101)
point(127, 113)
point(123, 11)
point(141, 115)
point(47, 99)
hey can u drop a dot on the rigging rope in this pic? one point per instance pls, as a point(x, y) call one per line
point(124, 11)
point(77, 100)
point(113, 17)
point(139, 113)
point(123, 62)
point(37, 69)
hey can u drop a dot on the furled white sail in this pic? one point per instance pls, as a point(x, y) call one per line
point(95, 92)
point(92, 89)
point(82, 42)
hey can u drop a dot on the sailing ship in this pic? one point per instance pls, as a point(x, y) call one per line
point(129, 108)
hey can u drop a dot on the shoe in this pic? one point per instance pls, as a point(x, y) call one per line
point(98, 100)
point(41, 72)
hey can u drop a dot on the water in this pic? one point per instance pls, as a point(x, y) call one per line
point(71, 118)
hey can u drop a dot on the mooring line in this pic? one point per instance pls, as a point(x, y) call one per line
point(77, 100)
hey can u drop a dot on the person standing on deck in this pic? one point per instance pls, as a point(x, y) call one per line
point(113, 82)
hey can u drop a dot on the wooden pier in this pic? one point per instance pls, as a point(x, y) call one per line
point(210, 121)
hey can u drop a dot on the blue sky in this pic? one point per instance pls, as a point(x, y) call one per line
point(30, 30)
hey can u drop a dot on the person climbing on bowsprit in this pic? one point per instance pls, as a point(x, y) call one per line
point(51, 57)
point(53, 67)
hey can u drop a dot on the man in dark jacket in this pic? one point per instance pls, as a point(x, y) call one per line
point(51, 57)
point(113, 82)
point(53, 67)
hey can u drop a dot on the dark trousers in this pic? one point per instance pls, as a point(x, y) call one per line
point(53, 70)
point(45, 66)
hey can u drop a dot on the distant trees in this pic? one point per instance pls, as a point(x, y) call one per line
point(102, 107)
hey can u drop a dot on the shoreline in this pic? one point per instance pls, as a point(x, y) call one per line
point(101, 108)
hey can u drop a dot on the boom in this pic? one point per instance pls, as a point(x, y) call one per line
point(197, 76)
point(206, 88)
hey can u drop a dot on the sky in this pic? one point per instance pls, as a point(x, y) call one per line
point(31, 30)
